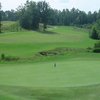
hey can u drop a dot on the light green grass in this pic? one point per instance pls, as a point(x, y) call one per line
point(66, 74)
point(71, 80)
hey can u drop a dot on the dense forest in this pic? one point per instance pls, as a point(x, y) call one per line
point(56, 17)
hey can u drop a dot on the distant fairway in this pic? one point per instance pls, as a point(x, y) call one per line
point(75, 77)
point(25, 44)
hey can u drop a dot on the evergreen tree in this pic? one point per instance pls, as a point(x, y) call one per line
point(94, 34)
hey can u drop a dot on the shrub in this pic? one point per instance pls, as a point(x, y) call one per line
point(96, 47)
point(8, 58)
point(2, 56)
point(96, 50)
point(94, 34)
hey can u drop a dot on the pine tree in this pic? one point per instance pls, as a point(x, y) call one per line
point(94, 34)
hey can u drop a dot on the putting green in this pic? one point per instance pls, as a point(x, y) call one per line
point(65, 74)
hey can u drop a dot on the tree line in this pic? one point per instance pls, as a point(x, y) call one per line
point(9, 15)
point(95, 31)
point(32, 14)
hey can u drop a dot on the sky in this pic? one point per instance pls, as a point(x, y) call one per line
point(84, 5)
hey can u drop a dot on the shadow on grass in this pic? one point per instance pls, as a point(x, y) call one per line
point(47, 32)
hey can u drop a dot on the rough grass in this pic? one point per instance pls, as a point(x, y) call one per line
point(10, 26)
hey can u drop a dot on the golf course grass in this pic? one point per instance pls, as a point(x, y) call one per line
point(35, 76)
point(65, 74)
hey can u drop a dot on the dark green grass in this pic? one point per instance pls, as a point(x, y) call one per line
point(28, 93)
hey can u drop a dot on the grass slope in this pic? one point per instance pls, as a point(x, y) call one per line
point(25, 44)
point(76, 76)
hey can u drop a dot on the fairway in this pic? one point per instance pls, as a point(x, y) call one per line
point(35, 77)
point(25, 44)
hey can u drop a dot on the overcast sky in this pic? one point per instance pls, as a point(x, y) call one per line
point(84, 5)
